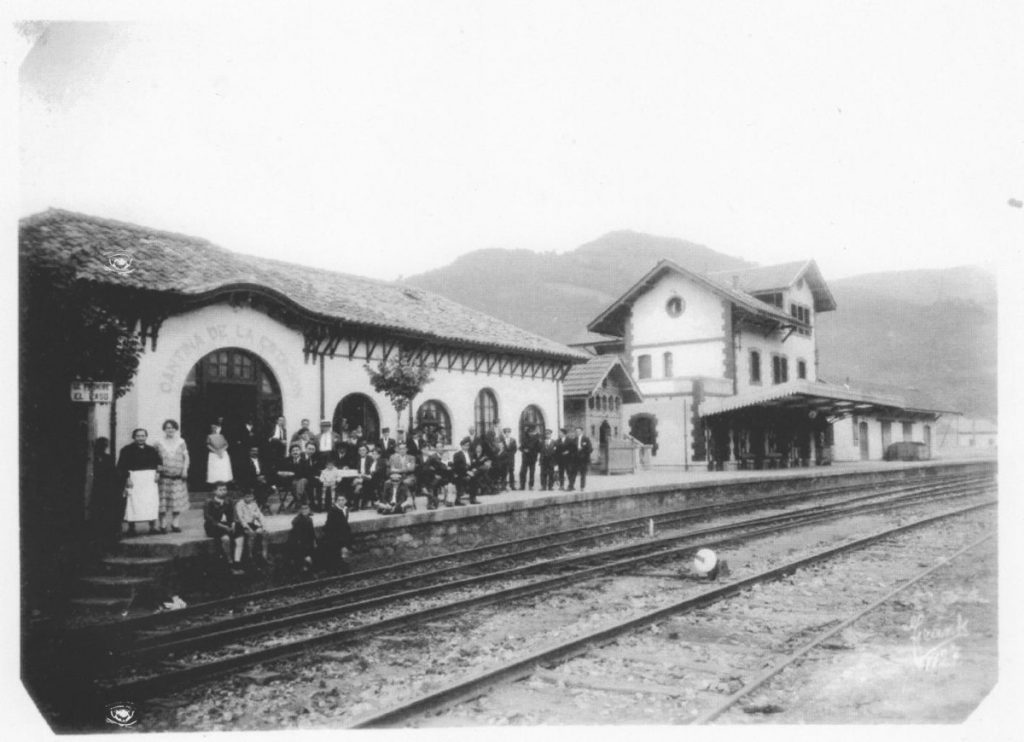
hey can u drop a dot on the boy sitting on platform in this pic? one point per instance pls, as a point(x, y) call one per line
point(218, 522)
point(393, 498)
point(302, 538)
point(249, 530)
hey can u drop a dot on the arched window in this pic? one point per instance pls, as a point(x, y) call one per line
point(433, 418)
point(531, 416)
point(485, 411)
point(667, 360)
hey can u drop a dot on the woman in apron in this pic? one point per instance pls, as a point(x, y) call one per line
point(138, 465)
point(218, 467)
point(173, 476)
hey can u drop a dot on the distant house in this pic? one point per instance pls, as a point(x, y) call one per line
point(976, 433)
point(728, 367)
point(239, 337)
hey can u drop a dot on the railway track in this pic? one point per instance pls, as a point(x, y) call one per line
point(540, 663)
point(574, 568)
point(304, 596)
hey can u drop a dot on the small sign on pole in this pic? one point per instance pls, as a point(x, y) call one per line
point(98, 392)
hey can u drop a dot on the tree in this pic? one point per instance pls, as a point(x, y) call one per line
point(400, 378)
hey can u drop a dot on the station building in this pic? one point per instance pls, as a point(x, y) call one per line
point(727, 364)
point(238, 337)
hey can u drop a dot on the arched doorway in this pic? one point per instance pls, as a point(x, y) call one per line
point(532, 415)
point(355, 410)
point(433, 418)
point(644, 427)
point(485, 411)
point(232, 384)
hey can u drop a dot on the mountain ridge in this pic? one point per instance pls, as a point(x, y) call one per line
point(929, 329)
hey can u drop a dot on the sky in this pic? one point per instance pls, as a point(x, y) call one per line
point(386, 139)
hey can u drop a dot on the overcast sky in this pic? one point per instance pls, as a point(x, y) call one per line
point(389, 138)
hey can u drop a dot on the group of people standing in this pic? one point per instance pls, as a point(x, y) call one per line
point(320, 470)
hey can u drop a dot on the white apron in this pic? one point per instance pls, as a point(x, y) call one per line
point(218, 469)
point(143, 498)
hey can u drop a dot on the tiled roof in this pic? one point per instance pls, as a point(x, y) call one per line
point(763, 278)
point(778, 278)
point(610, 321)
point(584, 379)
point(189, 266)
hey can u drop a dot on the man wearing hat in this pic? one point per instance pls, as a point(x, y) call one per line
point(511, 446)
point(326, 443)
point(548, 450)
point(465, 472)
point(563, 456)
point(580, 448)
point(529, 449)
point(386, 443)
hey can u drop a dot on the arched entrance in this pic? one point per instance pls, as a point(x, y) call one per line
point(355, 410)
point(435, 422)
point(232, 384)
point(485, 411)
point(532, 415)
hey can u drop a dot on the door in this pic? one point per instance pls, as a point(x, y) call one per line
point(865, 453)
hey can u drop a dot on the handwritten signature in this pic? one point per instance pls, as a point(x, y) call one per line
point(935, 647)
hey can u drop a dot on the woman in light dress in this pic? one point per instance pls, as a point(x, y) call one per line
point(174, 465)
point(218, 467)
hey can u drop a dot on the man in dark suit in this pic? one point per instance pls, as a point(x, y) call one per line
point(327, 444)
point(251, 476)
point(386, 443)
point(361, 487)
point(580, 449)
point(563, 457)
point(548, 450)
point(511, 446)
point(529, 449)
point(465, 472)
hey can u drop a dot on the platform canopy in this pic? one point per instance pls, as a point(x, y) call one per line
point(830, 400)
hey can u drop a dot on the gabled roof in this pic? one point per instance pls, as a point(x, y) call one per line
point(184, 266)
point(779, 278)
point(586, 378)
point(829, 399)
point(612, 320)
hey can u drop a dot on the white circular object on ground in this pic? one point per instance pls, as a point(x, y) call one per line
point(704, 561)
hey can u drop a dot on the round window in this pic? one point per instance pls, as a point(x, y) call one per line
point(675, 306)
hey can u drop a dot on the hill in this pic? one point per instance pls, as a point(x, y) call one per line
point(933, 330)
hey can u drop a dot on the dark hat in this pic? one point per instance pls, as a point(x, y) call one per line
point(563, 430)
point(467, 441)
point(506, 430)
point(385, 430)
point(548, 431)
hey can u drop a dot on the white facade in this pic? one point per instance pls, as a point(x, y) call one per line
point(704, 347)
point(185, 339)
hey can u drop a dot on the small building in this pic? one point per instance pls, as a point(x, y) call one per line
point(593, 395)
point(243, 338)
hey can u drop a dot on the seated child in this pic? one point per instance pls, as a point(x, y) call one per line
point(302, 539)
point(218, 522)
point(330, 480)
point(249, 529)
point(394, 495)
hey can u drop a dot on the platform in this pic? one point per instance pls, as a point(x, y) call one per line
point(646, 488)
